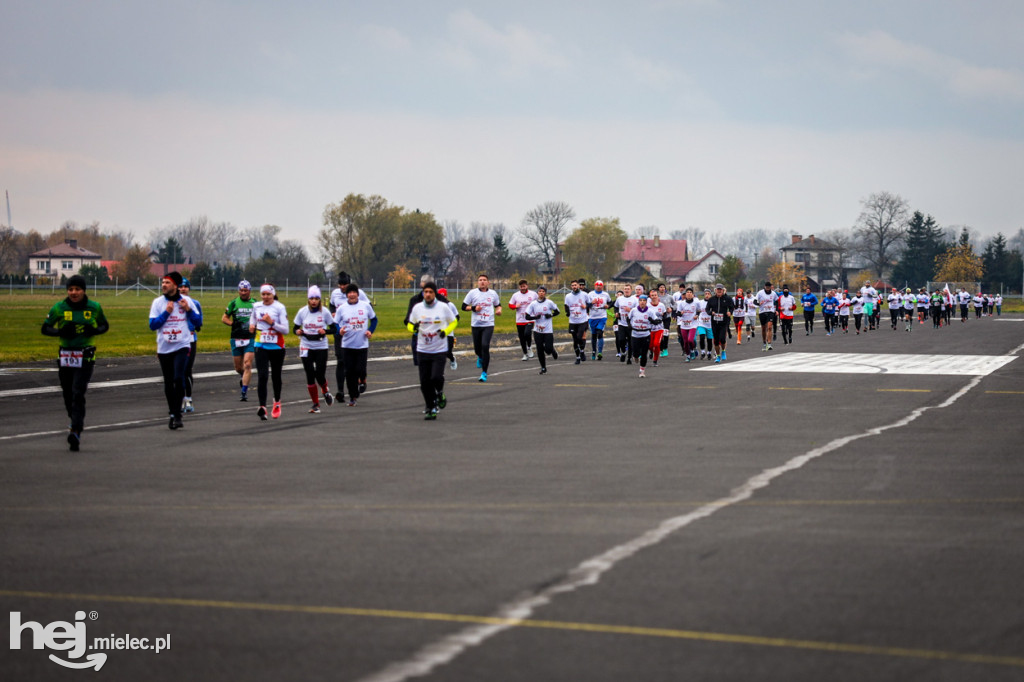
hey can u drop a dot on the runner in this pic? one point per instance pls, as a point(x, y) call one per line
point(623, 306)
point(909, 306)
point(719, 307)
point(667, 318)
point(705, 338)
point(431, 320)
point(269, 322)
point(599, 303)
point(577, 309)
point(787, 311)
point(186, 290)
point(312, 324)
point(739, 314)
point(922, 305)
point(640, 320)
point(857, 308)
point(870, 295)
point(936, 309)
point(356, 322)
point(844, 311)
point(75, 320)
point(979, 301)
point(809, 301)
point(519, 302)
point(687, 311)
point(658, 312)
point(751, 315)
point(169, 316)
point(442, 295)
point(485, 305)
point(338, 296)
point(829, 308)
point(540, 312)
point(243, 345)
point(999, 305)
point(895, 308)
point(766, 299)
point(964, 299)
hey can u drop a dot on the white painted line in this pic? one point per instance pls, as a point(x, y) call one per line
point(867, 363)
point(589, 572)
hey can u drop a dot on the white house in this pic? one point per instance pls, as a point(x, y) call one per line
point(61, 260)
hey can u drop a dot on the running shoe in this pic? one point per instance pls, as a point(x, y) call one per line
point(770, 347)
point(530, 352)
point(654, 363)
point(687, 358)
point(583, 357)
point(171, 423)
point(664, 353)
point(718, 359)
point(442, 402)
point(454, 364)
point(622, 358)
point(483, 377)
point(315, 409)
point(600, 357)
point(431, 415)
point(177, 422)
point(478, 365)
point(723, 355)
point(187, 406)
point(554, 354)
point(593, 356)
point(243, 398)
point(275, 412)
point(764, 347)
point(739, 341)
point(328, 398)
point(351, 403)
point(262, 413)
point(339, 397)
point(643, 373)
point(74, 440)
point(525, 357)
point(543, 370)
point(362, 385)
point(577, 361)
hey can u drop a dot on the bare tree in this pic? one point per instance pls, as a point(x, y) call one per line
point(880, 229)
point(842, 257)
point(646, 232)
point(544, 227)
point(697, 242)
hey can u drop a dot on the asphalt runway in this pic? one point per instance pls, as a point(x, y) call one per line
point(702, 523)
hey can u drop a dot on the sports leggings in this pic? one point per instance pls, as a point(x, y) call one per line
point(269, 361)
point(686, 339)
point(641, 346)
point(524, 331)
point(431, 367)
point(481, 346)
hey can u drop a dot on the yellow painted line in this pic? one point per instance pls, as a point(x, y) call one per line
point(904, 390)
point(700, 386)
point(788, 388)
point(599, 628)
point(581, 385)
point(459, 382)
point(1006, 392)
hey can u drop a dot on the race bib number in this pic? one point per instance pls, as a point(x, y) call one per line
point(241, 343)
point(268, 337)
point(718, 317)
point(303, 352)
point(615, 327)
point(71, 358)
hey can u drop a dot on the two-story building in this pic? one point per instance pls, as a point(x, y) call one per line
point(666, 260)
point(61, 260)
point(821, 260)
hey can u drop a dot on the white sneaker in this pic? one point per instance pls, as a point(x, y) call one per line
point(455, 364)
point(530, 353)
point(525, 357)
point(642, 373)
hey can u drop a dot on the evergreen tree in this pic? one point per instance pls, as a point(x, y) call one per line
point(998, 266)
point(924, 243)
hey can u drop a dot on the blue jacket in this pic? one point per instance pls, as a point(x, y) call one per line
point(809, 301)
point(829, 305)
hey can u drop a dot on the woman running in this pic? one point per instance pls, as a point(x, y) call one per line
point(356, 323)
point(687, 311)
point(269, 322)
point(739, 314)
point(312, 324)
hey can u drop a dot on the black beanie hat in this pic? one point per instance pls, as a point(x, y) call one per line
point(175, 277)
point(75, 281)
point(343, 278)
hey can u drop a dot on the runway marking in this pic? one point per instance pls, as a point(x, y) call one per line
point(868, 363)
point(793, 388)
point(589, 572)
point(570, 626)
point(521, 506)
point(904, 390)
point(1006, 392)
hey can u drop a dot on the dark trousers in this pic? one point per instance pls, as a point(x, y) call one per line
point(269, 362)
point(431, 367)
point(545, 346)
point(641, 345)
point(808, 320)
point(622, 335)
point(172, 366)
point(524, 331)
point(482, 345)
point(339, 368)
point(355, 368)
point(787, 329)
point(188, 370)
point(578, 331)
point(315, 366)
point(74, 381)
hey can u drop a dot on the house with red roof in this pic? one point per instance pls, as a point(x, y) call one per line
point(62, 260)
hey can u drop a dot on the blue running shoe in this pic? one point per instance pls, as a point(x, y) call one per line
point(483, 376)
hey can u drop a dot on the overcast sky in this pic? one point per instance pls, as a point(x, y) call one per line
point(717, 114)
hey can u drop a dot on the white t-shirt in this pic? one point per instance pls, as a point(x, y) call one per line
point(432, 321)
point(703, 318)
point(844, 305)
point(659, 310)
point(270, 334)
point(312, 323)
point(174, 334)
point(538, 309)
point(353, 322)
point(978, 300)
point(751, 307)
point(577, 302)
point(688, 311)
point(599, 302)
point(869, 293)
point(895, 301)
point(787, 306)
point(520, 302)
point(909, 302)
point(338, 296)
point(641, 322)
point(766, 301)
point(624, 305)
point(488, 301)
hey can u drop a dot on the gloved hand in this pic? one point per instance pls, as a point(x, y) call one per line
point(67, 330)
point(88, 330)
point(441, 334)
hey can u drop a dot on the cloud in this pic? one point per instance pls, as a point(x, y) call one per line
point(385, 37)
point(516, 49)
point(878, 48)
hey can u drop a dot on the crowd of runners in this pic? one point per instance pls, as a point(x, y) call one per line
point(705, 321)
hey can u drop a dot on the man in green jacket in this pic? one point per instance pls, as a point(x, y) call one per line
point(75, 320)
